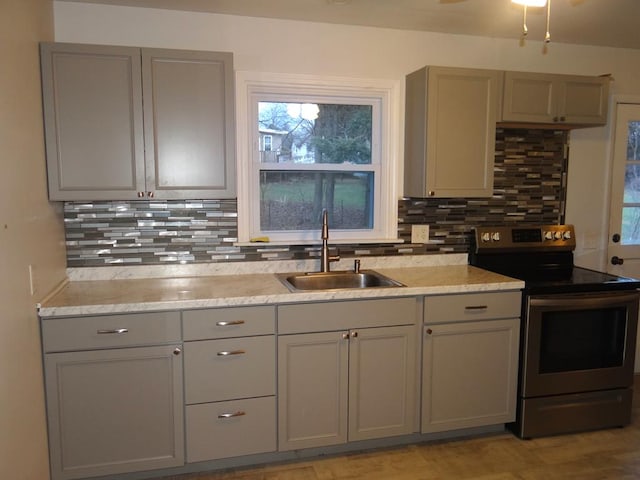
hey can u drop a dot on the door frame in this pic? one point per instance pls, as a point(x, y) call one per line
point(611, 132)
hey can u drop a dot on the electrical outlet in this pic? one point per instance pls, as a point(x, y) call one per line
point(419, 233)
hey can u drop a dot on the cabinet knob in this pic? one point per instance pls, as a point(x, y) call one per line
point(140, 194)
point(431, 193)
point(429, 331)
point(354, 334)
point(177, 351)
point(345, 336)
point(150, 194)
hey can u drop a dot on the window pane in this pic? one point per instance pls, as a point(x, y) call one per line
point(315, 133)
point(632, 183)
point(631, 214)
point(293, 200)
point(633, 145)
point(630, 226)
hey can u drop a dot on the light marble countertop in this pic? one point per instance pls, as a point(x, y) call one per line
point(91, 297)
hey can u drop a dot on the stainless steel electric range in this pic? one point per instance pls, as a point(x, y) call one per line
point(578, 332)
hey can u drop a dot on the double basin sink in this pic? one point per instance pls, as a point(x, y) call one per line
point(303, 282)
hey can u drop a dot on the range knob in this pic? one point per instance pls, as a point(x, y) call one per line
point(486, 237)
point(567, 235)
point(548, 235)
point(495, 236)
point(558, 235)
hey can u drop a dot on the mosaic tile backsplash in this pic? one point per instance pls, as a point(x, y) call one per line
point(529, 188)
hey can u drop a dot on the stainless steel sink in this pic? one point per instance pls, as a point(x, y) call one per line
point(297, 282)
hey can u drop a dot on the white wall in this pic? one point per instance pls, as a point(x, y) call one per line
point(30, 234)
point(266, 45)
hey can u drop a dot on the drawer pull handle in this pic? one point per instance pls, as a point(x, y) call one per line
point(476, 307)
point(227, 324)
point(232, 352)
point(115, 331)
point(239, 413)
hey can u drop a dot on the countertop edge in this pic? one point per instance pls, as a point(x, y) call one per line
point(279, 298)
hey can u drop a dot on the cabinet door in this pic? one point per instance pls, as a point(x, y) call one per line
point(555, 99)
point(114, 411)
point(529, 97)
point(450, 135)
point(382, 384)
point(189, 124)
point(584, 100)
point(92, 100)
point(312, 390)
point(469, 376)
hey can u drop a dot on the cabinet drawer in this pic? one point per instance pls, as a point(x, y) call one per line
point(110, 331)
point(329, 316)
point(472, 306)
point(224, 369)
point(229, 429)
point(228, 322)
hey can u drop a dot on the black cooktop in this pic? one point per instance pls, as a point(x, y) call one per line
point(579, 280)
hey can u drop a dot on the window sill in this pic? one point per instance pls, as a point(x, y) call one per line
point(280, 243)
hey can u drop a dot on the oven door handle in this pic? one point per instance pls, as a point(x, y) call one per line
point(587, 300)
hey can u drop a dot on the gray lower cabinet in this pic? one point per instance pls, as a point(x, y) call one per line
point(470, 360)
point(124, 123)
point(230, 382)
point(355, 383)
point(119, 407)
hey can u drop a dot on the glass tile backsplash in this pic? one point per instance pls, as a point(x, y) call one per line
point(529, 188)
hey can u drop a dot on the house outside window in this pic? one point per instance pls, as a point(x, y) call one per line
point(312, 147)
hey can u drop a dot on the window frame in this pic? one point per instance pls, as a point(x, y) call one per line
point(253, 87)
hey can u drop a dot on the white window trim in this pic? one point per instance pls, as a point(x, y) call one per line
point(389, 91)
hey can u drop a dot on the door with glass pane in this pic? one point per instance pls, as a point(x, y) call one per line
point(624, 226)
point(624, 218)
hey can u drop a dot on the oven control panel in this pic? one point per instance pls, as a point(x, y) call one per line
point(543, 237)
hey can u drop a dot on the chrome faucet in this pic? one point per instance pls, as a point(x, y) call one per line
point(325, 258)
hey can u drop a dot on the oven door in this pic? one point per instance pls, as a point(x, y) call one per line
point(578, 342)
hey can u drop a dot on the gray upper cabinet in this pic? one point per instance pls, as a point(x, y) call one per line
point(450, 128)
point(124, 123)
point(189, 123)
point(572, 100)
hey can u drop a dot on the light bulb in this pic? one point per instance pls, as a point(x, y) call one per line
point(531, 3)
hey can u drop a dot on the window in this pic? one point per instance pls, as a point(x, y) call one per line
point(267, 141)
point(313, 144)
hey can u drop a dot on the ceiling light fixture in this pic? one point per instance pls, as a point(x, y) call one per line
point(530, 3)
point(534, 3)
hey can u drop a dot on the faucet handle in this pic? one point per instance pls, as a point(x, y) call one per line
point(356, 265)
